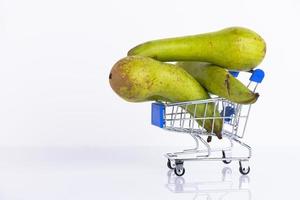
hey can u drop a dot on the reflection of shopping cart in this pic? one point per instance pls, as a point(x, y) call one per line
point(227, 188)
point(174, 117)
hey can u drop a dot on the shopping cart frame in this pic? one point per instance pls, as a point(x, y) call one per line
point(172, 116)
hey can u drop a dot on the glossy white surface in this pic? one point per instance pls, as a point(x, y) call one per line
point(140, 173)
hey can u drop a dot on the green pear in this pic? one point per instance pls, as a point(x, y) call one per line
point(219, 81)
point(234, 48)
point(139, 79)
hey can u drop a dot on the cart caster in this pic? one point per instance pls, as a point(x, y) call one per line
point(244, 170)
point(179, 169)
point(170, 165)
point(179, 172)
point(224, 156)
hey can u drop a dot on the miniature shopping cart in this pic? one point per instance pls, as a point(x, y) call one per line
point(174, 117)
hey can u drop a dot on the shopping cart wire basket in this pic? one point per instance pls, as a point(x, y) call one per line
point(174, 117)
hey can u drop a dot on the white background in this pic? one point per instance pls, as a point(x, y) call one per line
point(55, 58)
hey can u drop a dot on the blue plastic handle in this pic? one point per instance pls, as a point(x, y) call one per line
point(234, 74)
point(257, 76)
point(157, 114)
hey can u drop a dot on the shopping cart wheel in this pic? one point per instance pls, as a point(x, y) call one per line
point(224, 156)
point(244, 170)
point(169, 164)
point(179, 171)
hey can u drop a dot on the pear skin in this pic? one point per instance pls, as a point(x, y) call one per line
point(219, 81)
point(234, 48)
point(139, 79)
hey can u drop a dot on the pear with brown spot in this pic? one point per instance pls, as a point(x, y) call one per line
point(218, 81)
point(139, 79)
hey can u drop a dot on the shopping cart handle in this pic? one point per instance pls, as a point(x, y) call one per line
point(157, 114)
point(234, 74)
point(257, 75)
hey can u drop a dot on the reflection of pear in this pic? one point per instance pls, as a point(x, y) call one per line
point(137, 79)
point(219, 81)
point(233, 48)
